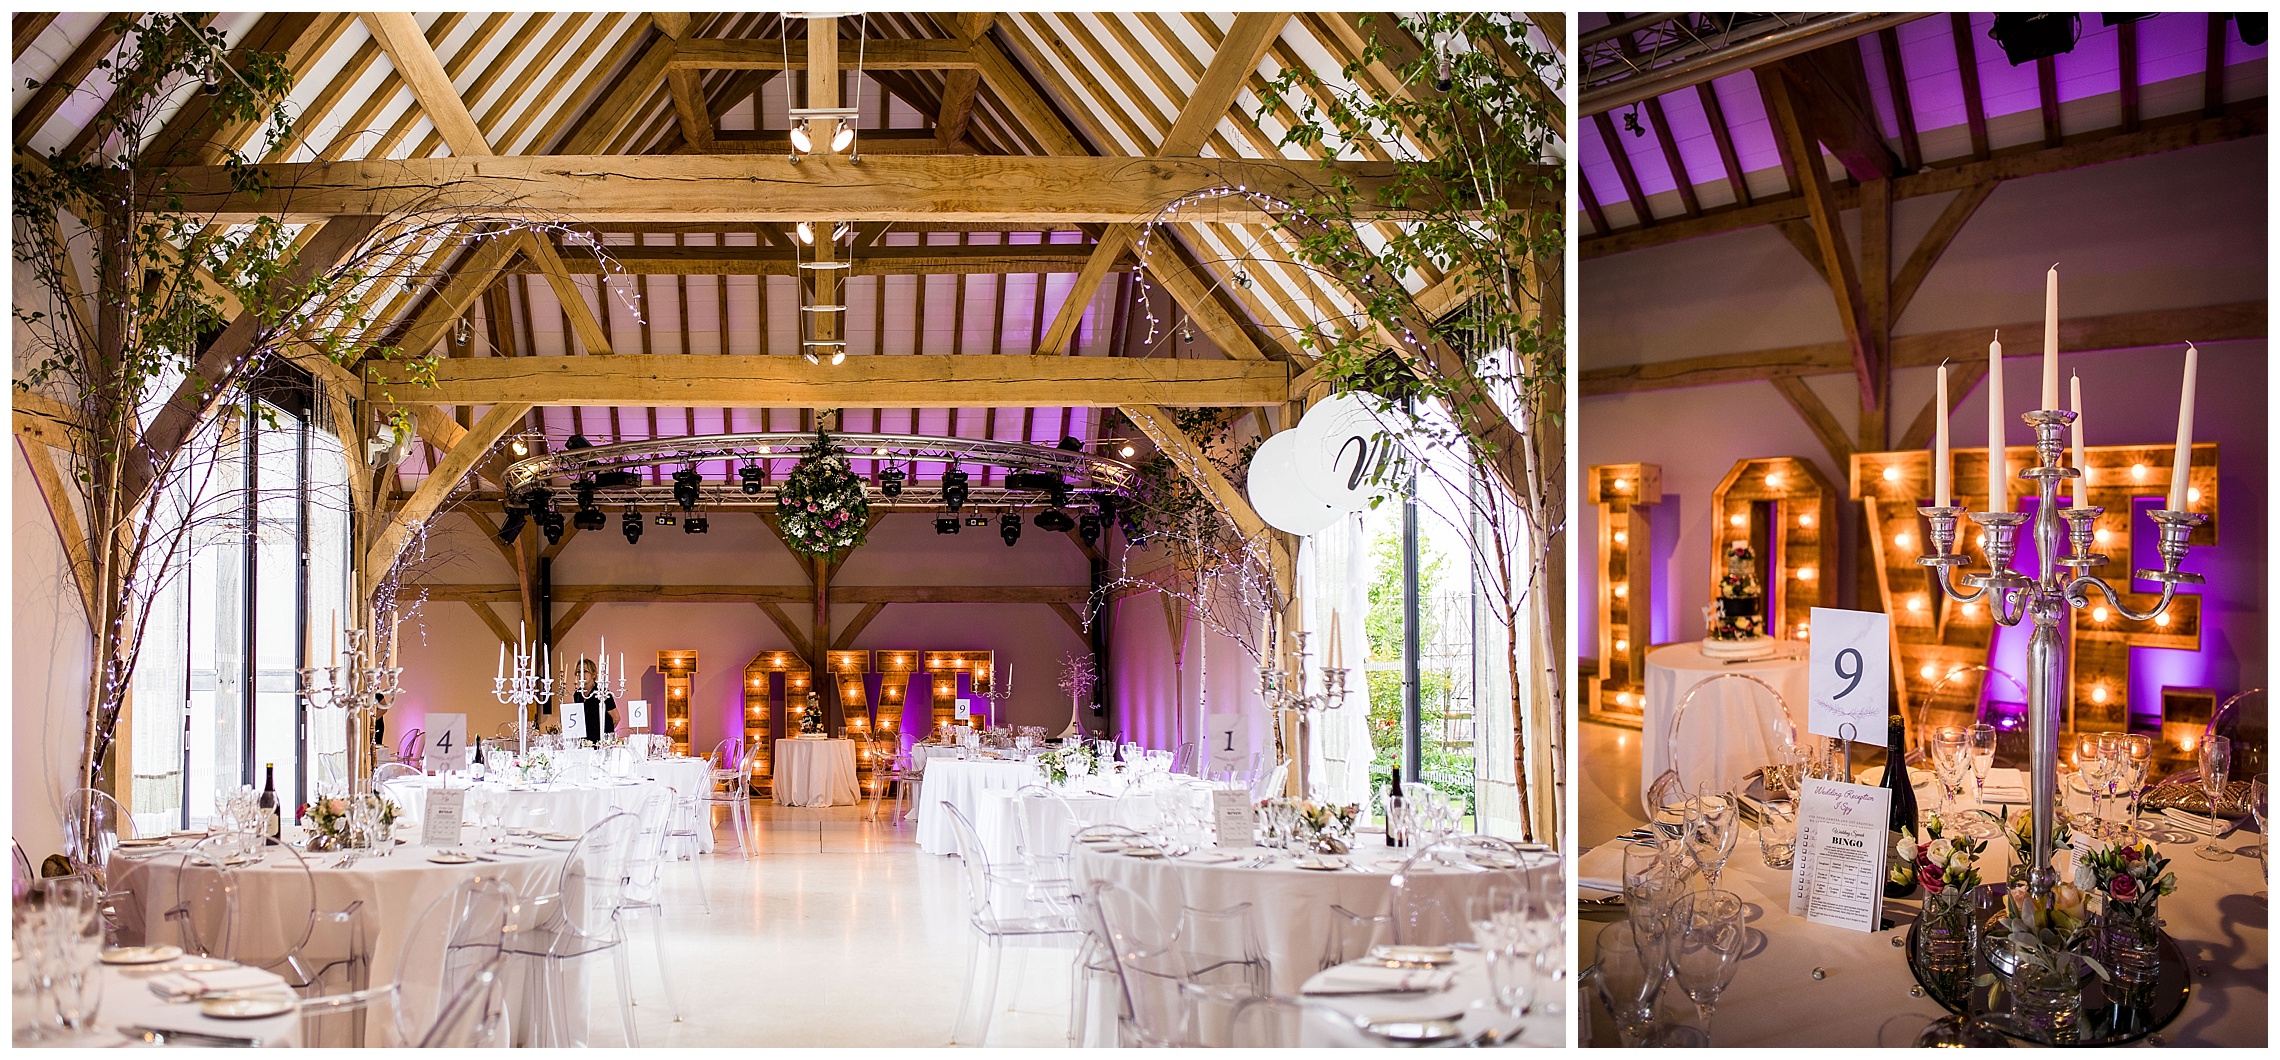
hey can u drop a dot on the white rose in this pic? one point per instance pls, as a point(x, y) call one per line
point(1942, 852)
point(1905, 847)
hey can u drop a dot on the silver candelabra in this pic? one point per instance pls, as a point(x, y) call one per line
point(360, 685)
point(1288, 693)
point(526, 683)
point(2046, 597)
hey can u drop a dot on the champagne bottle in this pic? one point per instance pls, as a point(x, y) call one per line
point(1900, 871)
point(272, 823)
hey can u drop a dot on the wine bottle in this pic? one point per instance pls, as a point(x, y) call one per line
point(1393, 837)
point(1900, 872)
point(272, 824)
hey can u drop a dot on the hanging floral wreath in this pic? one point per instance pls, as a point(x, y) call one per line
point(822, 505)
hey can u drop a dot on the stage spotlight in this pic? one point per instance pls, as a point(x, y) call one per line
point(577, 441)
point(1088, 528)
point(510, 528)
point(685, 484)
point(1037, 481)
point(631, 525)
point(520, 447)
point(1059, 494)
point(695, 524)
point(1009, 528)
point(891, 481)
point(954, 488)
point(2026, 38)
point(1070, 443)
point(666, 519)
point(551, 525)
point(539, 502)
point(947, 524)
point(589, 518)
point(1126, 451)
point(1054, 520)
point(610, 480)
point(977, 519)
point(749, 477)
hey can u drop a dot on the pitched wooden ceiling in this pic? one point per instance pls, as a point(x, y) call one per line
point(375, 87)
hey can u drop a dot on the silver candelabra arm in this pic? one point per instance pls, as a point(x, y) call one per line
point(2176, 529)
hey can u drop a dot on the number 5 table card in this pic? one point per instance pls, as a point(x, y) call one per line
point(1838, 878)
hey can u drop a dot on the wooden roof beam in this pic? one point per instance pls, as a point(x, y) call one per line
point(399, 35)
point(1844, 278)
point(875, 54)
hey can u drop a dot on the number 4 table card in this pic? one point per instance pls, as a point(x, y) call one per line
point(1839, 874)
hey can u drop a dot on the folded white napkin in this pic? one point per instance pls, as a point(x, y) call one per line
point(2197, 823)
point(182, 986)
point(1600, 869)
point(2005, 785)
point(1377, 979)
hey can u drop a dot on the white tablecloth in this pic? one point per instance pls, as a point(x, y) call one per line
point(1468, 995)
point(1725, 750)
point(1863, 999)
point(128, 1002)
point(395, 890)
point(960, 783)
point(815, 773)
point(998, 812)
point(686, 776)
point(561, 806)
point(1292, 905)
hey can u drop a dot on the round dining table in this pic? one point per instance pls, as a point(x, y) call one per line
point(129, 1005)
point(815, 773)
point(1862, 996)
point(1733, 746)
point(394, 886)
point(564, 806)
point(960, 782)
point(1468, 999)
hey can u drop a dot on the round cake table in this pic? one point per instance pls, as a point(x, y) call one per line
point(1735, 746)
point(815, 773)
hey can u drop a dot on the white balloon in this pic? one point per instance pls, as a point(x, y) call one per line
point(1340, 441)
point(1276, 493)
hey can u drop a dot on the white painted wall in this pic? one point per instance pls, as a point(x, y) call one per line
point(48, 669)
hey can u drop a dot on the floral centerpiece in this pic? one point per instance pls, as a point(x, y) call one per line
point(332, 825)
point(1948, 868)
point(2020, 832)
point(1325, 827)
point(2127, 881)
point(821, 506)
point(1061, 763)
point(2043, 943)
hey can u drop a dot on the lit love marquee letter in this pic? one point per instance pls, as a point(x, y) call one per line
point(1785, 509)
point(1626, 588)
point(1941, 640)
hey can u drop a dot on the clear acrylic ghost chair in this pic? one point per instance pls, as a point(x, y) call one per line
point(1292, 1022)
point(1093, 969)
point(1044, 825)
point(1271, 786)
point(447, 988)
point(893, 767)
point(1185, 759)
point(2241, 720)
point(1761, 712)
point(392, 771)
point(1223, 962)
point(731, 789)
point(1351, 936)
point(408, 749)
point(205, 908)
point(578, 919)
point(21, 877)
point(645, 867)
point(1140, 946)
point(1963, 710)
point(93, 824)
point(1419, 917)
point(999, 911)
point(685, 841)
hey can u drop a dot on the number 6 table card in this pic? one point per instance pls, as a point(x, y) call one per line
point(1850, 677)
point(1838, 878)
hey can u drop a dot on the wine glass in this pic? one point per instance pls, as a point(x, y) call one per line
point(1712, 822)
point(2137, 748)
point(2259, 795)
point(1705, 939)
point(1982, 740)
point(2215, 755)
point(1628, 980)
point(2088, 767)
point(1951, 760)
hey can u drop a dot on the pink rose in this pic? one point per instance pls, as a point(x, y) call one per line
point(2123, 888)
point(1929, 876)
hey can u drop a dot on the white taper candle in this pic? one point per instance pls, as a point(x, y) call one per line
point(1940, 442)
point(2182, 468)
point(1998, 497)
point(2050, 339)
point(2081, 485)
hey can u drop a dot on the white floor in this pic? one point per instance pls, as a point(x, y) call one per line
point(840, 932)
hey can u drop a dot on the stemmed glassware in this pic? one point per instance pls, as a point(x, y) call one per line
point(1982, 739)
point(2215, 755)
point(59, 932)
point(1712, 823)
point(2091, 770)
point(1705, 939)
point(2259, 798)
point(1951, 761)
point(2138, 749)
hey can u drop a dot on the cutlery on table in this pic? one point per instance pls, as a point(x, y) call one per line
point(161, 1036)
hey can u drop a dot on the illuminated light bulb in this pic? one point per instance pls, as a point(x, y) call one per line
point(839, 357)
point(842, 139)
point(2098, 614)
point(1622, 591)
point(1737, 519)
point(2162, 620)
point(1804, 574)
point(1773, 480)
point(1925, 672)
point(1622, 645)
point(806, 232)
point(2137, 472)
point(1126, 452)
point(1901, 540)
point(1915, 604)
point(1892, 473)
point(1980, 541)
point(800, 140)
point(1804, 520)
point(1619, 485)
point(811, 357)
point(1971, 610)
point(2097, 693)
point(1622, 538)
point(1804, 631)
point(2099, 535)
point(1622, 699)
point(2193, 495)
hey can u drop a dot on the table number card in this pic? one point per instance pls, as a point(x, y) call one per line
point(964, 709)
point(637, 714)
point(440, 821)
point(1850, 679)
point(573, 720)
point(1838, 878)
point(1231, 820)
point(1229, 747)
point(446, 743)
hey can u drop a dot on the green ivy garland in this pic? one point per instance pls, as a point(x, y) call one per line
point(822, 505)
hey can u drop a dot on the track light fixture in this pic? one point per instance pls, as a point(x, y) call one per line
point(806, 230)
point(844, 138)
point(631, 525)
point(946, 524)
point(749, 477)
point(890, 481)
point(519, 447)
point(842, 230)
point(511, 526)
point(462, 333)
point(1054, 520)
point(1009, 528)
point(695, 524)
point(1126, 451)
point(954, 488)
point(801, 141)
point(213, 78)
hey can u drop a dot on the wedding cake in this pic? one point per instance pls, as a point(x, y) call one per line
point(1737, 622)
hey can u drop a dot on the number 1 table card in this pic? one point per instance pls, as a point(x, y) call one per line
point(1838, 878)
point(1850, 679)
